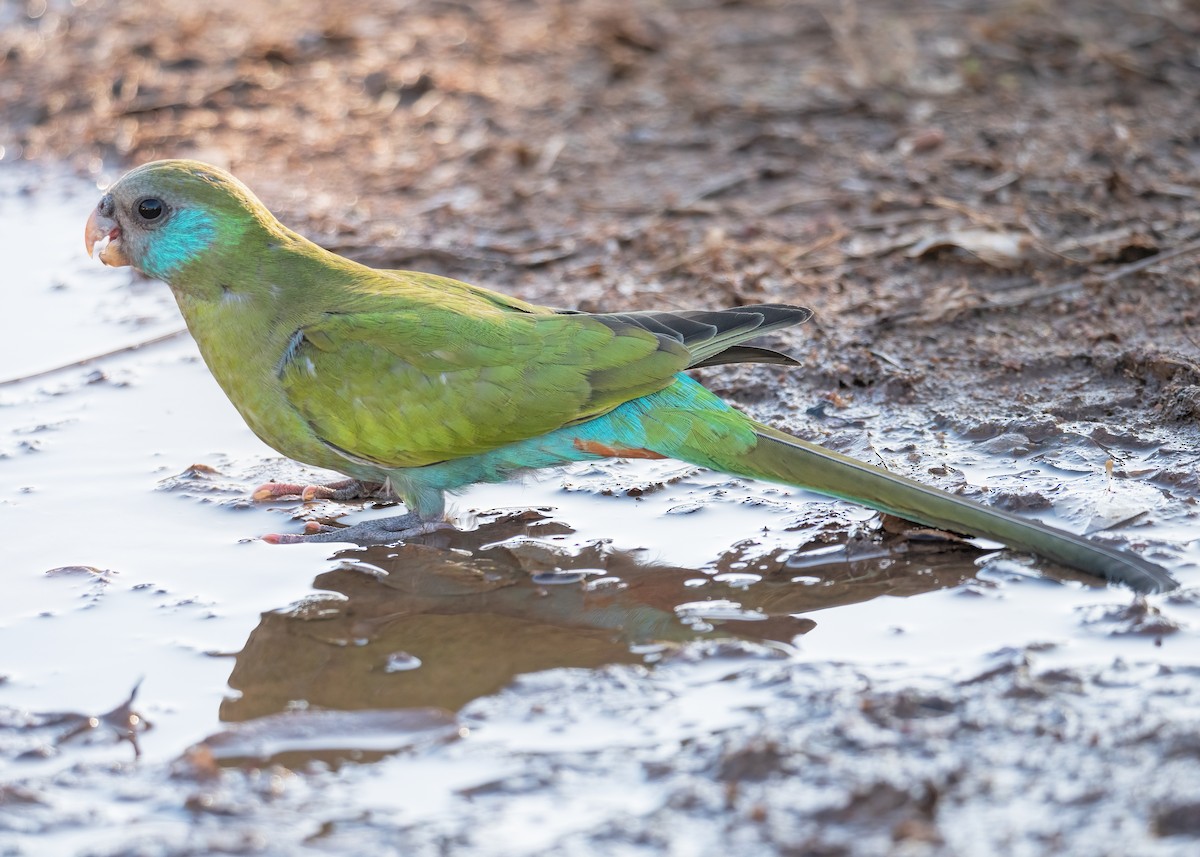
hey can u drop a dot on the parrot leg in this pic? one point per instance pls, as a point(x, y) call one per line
point(377, 531)
point(344, 489)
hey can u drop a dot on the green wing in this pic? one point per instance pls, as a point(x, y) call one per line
point(409, 388)
point(429, 382)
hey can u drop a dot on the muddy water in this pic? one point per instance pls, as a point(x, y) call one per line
point(126, 564)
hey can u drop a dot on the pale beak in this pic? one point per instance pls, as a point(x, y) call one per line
point(104, 231)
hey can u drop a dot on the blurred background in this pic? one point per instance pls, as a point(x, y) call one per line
point(885, 162)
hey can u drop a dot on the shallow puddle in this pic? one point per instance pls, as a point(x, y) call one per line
point(123, 564)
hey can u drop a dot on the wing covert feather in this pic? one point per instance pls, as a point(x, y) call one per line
point(413, 387)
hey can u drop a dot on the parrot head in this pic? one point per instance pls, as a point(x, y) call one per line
point(162, 216)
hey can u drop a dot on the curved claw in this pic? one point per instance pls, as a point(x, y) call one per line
point(376, 531)
point(345, 489)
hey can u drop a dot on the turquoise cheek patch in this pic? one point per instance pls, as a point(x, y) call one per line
point(186, 235)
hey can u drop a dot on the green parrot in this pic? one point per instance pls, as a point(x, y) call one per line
point(423, 384)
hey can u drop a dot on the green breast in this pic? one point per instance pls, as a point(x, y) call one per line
point(243, 346)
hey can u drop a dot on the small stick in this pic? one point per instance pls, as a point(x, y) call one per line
point(1037, 294)
point(85, 361)
point(1033, 295)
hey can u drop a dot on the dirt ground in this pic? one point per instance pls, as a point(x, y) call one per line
point(958, 189)
point(992, 208)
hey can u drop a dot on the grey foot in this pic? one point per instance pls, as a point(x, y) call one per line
point(373, 532)
point(345, 489)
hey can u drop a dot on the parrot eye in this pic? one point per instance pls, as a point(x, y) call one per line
point(150, 209)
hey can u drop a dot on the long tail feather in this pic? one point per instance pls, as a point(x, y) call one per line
point(779, 457)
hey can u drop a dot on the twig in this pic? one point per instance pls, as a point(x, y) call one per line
point(716, 187)
point(970, 213)
point(1025, 297)
point(999, 182)
point(1033, 295)
point(803, 198)
point(141, 106)
point(85, 361)
point(814, 247)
